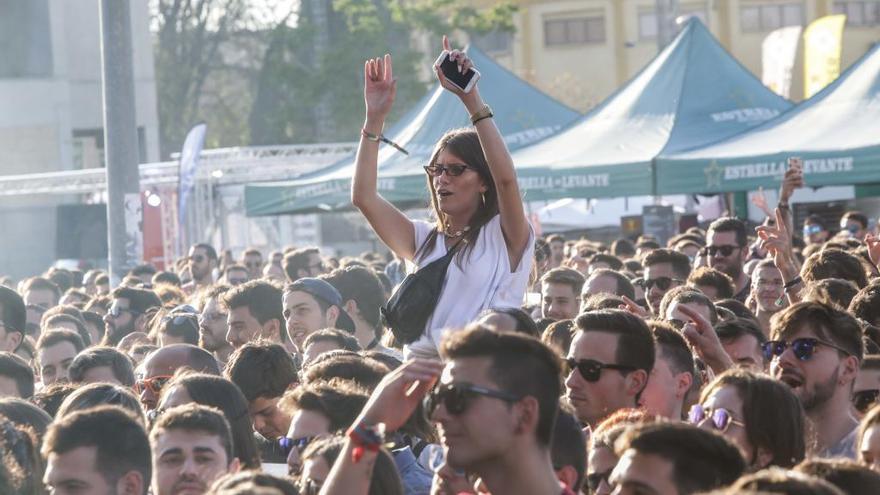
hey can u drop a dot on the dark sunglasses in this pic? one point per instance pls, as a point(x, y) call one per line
point(153, 384)
point(662, 283)
point(803, 348)
point(724, 250)
point(721, 418)
point(596, 479)
point(288, 444)
point(457, 396)
point(591, 370)
point(812, 229)
point(116, 311)
point(451, 170)
point(198, 258)
point(864, 399)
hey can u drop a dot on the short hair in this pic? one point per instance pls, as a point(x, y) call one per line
point(673, 347)
point(209, 250)
point(58, 320)
point(565, 276)
point(251, 251)
point(143, 269)
point(49, 399)
point(734, 328)
point(555, 238)
point(616, 424)
point(559, 335)
point(825, 321)
point(602, 300)
point(635, 344)
point(686, 295)
point(612, 261)
point(195, 418)
point(834, 291)
point(93, 357)
point(169, 278)
point(846, 474)
point(139, 300)
point(24, 413)
point(623, 248)
point(16, 368)
point(102, 279)
point(778, 480)
point(262, 298)
point(347, 365)
point(520, 365)
point(720, 281)
point(253, 482)
point(730, 224)
point(815, 219)
point(834, 263)
point(96, 394)
point(569, 446)
point(738, 308)
point(56, 336)
point(773, 415)
point(363, 286)
point(524, 322)
point(13, 313)
point(681, 264)
point(340, 401)
point(181, 325)
point(344, 340)
point(856, 216)
point(866, 303)
point(127, 449)
point(701, 459)
point(42, 283)
point(624, 286)
point(297, 260)
point(261, 369)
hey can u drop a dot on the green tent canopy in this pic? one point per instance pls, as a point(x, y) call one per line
point(523, 114)
point(836, 132)
point(693, 93)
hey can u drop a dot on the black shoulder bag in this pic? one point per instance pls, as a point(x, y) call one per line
point(407, 310)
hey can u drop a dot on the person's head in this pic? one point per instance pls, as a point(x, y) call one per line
point(761, 416)
point(346, 365)
point(509, 319)
point(81, 457)
point(13, 318)
point(40, 291)
point(202, 262)
point(727, 246)
point(601, 456)
point(16, 377)
point(25, 414)
point(97, 394)
point(362, 294)
point(674, 459)
point(236, 274)
point(498, 395)
point(253, 482)
point(604, 261)
point(558, 335)
point(460, 183)
point(55, 352)
point(102, 284)
point(766, 287)
point(326, 340)
point(613, 355)
point(252, 259)
point(263, 372)
point(868, 439)
point(165, 278)
point(834, 263)
point(178, 327)
point(213, 325)
point(605, 280)
point(866, 390)
point(742, 339)
point(816, 350)
point(253, 312)
point(670, 306)
point(664, 270)
point(320, 455)
point(303, 262)
point(102, 364)
point(557, 248)
point(846, 474)
point(815, 231)
point(192, 446)
point(560, 293)
point(128, 313)
point(49, 399)
point(317, 410)
point(779, 480)
point(854, 224)
point(673, 373)
point(568, 451)
point(833, 291)
point(69, 322)
point(714, 283)
point(159, 366)
point(311, 304)
point(866, 304)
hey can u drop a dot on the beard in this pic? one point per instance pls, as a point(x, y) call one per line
point(821, 392)
point(115, 334)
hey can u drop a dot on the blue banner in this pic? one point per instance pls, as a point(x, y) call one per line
point(189, 163)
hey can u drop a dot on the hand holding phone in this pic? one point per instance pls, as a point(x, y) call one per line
point(455, 70)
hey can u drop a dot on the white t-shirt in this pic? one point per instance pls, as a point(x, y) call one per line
point(483, 280)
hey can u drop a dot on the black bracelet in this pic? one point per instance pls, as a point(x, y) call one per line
point(791, 283)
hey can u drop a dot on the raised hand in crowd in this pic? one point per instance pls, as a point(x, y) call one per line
point(700, 334)
point(776, 240)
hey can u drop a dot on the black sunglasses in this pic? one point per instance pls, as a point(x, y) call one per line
point(288, 444)
point(198, 258)
point(595, 479)
point(864, 399)
point(116, 311)
point(803, 348)
point(451, 170)
point(456, 397)
point(662, 283)
point(591, 370)
point(724, 250)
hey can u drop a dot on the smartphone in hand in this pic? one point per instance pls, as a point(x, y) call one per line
point(463, 81)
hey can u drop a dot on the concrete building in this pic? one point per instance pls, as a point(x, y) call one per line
point(580, 51)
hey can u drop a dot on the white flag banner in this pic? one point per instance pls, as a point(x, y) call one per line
point(778, 53)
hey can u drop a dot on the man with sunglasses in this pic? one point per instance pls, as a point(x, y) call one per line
point(610, 359)
point(213, 325)
point(128, 313)
point(867, 388)
point(252, 259)
point(202, 261)
point(815, 231)
point(303, 262)
point(159, 366)
point(727, 250)
point(664, 269)
point(816, 350)
point(854, 224)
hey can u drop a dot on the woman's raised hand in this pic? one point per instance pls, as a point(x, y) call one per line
point(464, 63)
point(379, 87)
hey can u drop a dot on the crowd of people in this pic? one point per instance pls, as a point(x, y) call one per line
point(722, 361)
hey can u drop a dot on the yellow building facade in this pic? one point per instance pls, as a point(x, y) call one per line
point(580, 51)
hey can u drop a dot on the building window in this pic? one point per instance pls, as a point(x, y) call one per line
point(648, 20)
point(25, 39)
point(574, 31)
point(495, 42)
point(761, 18)
point(859, 13)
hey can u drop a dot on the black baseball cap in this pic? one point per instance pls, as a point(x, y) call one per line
point(320, 289)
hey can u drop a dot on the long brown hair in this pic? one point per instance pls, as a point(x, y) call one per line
point(465, 144)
